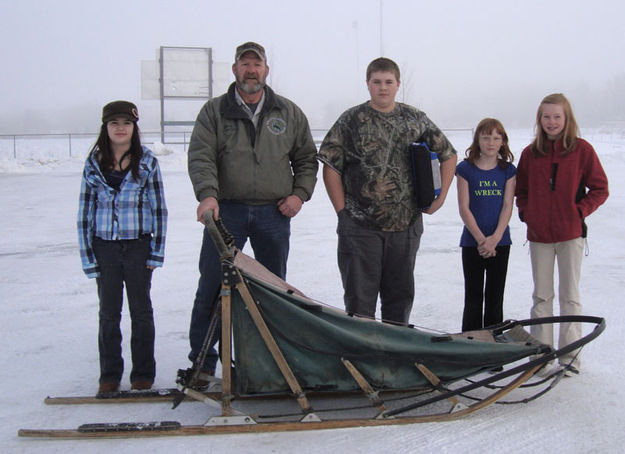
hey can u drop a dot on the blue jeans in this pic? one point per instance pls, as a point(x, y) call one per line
point(124, 262)
point(268, 231)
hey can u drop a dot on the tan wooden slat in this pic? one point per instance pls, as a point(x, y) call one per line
point(272, 346)
point(364, 385)
point(436, 382)
point(226, 351)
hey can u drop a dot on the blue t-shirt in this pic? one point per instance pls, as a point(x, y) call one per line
point(486, 188)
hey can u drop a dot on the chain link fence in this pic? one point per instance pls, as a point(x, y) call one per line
point(21, 147)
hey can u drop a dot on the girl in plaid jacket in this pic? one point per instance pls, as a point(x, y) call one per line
point(122, 222)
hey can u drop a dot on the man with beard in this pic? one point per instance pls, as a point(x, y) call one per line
point(252, 161)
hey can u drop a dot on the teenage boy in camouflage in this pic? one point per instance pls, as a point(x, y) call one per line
point(368, 177)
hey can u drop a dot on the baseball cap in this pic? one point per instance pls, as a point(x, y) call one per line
point(250, 47)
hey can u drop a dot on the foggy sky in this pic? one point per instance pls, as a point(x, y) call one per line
point(461, 61)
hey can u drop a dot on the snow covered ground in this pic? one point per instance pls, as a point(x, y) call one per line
point(48, 322)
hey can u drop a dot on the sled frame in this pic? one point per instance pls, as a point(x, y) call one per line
point(232, 421)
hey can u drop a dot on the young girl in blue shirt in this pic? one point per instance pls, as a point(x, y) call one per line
point(122, 222)
point(486, 182)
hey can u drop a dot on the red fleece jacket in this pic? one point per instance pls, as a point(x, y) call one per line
point(547, 190)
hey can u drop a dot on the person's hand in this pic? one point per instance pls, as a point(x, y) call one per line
point(436, 204)
point(290, 206)
point(487, 247)
point(209, 203)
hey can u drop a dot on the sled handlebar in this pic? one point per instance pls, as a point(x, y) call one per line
point(222, 239)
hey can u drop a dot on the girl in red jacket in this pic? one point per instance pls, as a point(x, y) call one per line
point(560, 182)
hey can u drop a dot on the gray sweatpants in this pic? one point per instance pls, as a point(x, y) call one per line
point(372, 263)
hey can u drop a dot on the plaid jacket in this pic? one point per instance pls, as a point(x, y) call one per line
point(138, 208)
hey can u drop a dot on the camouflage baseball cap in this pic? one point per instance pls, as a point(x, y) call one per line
point(250, 47)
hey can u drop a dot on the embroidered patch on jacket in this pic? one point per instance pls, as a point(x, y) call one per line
point(276, 125)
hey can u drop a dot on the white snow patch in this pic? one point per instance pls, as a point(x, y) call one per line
point(48, 321)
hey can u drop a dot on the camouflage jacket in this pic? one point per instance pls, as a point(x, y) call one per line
point(369, 149)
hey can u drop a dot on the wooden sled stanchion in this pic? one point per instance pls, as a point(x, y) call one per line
point(371, 394)
point(233, 281)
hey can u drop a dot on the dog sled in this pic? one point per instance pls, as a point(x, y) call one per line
point(293, 363)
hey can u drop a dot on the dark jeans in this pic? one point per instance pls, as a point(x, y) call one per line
point(268, 231)
point(478, 295)
point(373, 262)
point(124, 262)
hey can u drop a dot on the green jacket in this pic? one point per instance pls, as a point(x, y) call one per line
point(229, 159)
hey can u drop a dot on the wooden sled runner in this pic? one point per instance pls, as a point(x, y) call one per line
point(338, 371)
